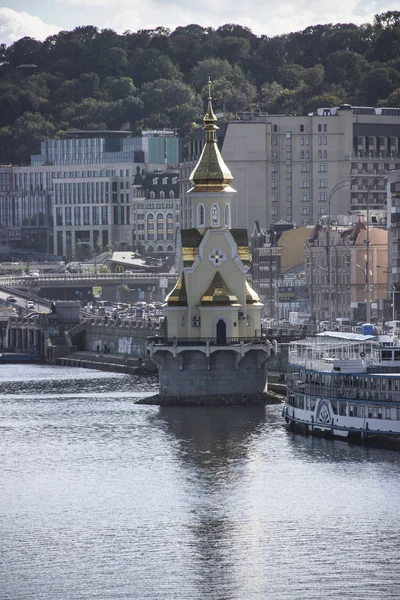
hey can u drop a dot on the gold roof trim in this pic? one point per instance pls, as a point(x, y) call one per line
point(211, 173)
point(178, 296)
point(218, 293)
point(251, 296)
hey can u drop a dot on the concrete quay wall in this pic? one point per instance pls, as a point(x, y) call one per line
point(114, 337)
point(193, 374)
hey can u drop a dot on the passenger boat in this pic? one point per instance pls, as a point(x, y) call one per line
point(344, 385)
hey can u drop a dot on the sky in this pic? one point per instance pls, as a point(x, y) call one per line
point(41, 18)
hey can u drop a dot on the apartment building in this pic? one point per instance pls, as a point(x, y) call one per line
point(287, 167)
point(156, 210)
point(335, 270)
point(78, 193)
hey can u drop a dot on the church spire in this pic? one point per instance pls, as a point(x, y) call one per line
point(211, 173)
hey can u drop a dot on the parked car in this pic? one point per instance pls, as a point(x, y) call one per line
point(30, 304)
point(11, 300)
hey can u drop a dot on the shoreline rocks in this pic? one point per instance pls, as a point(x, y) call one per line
point(214, 400)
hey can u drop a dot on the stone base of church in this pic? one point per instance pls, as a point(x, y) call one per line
point(193, 374)
point(260, 399)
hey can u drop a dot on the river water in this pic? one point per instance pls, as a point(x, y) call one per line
point(103, 499)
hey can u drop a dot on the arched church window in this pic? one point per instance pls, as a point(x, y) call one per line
point(200, 216)
point(215, 215)
point(227, 215)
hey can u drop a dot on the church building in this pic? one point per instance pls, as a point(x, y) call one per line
point(212, 342)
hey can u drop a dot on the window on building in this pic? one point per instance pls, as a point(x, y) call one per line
point(215, 215)
point(59, 216)
point(77, 215)
point(274, 210)
point(86, 215)
point(155, 181)
point(275, 128)
point(68, 216)
point(274, 183)
point(274, 168)
point(301, 128)
point(323, 183)
point(227, 215)
point(274, 197)
point(305, 210)
point(305, 197)
point(325, 140)
point(322, 196)
point(288, 175)
point(323, 167)
point(288, 135)
point(325, 127)
point(305, 168)
point(200, 215)
point(319, 127)
point(302, 141)
point(162, 195)
point(322, 209)
point(274, 140)
point(320, 140)
point(305, 183)
point(150, 226)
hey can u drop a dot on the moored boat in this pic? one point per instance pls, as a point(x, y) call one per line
point(18, 357)
point(344, 385)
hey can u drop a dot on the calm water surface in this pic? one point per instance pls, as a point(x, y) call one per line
point(104, 499)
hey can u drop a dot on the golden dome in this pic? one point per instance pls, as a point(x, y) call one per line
point(211, 173)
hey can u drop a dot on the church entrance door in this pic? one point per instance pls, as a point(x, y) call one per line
point(221, 332)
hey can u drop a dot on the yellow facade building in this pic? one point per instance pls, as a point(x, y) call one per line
point(213, 342)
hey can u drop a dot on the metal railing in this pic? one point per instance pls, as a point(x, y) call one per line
point(203, 341)
point(10, 280)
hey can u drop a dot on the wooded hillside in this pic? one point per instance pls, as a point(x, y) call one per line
point(96, 79)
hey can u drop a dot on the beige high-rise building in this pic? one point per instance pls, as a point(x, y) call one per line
point(287, 167)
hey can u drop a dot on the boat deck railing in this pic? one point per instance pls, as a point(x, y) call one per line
point(344, 392)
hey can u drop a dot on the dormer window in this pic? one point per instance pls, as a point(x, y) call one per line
point(215, 215)
point(165, 180)
point(200, 216)
point(155, 181)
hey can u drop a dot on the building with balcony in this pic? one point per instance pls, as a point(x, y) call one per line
point(77, 195)
point(285, 167)
point(156, 210)
point(335, 271)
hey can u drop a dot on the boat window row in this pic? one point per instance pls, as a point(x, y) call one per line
point(346, 409)
point(367, 382)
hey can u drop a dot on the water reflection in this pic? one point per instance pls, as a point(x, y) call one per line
point(213, 438)
point(214, 446)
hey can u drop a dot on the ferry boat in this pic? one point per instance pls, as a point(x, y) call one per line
point(346, 386)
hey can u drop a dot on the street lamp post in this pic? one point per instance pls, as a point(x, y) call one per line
point(339, 186)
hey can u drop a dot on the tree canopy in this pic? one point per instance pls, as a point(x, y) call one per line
point(92, 79)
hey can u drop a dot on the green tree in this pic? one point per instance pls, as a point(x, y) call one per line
point(377, 84)
point(216, 69)
point(119, 88)
point(346, 68)
point(149, 65)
